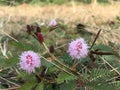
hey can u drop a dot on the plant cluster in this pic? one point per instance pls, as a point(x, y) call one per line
point(39, 63)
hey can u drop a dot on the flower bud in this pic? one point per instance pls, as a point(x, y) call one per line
point(32, 27)
point(53, 22)
point(51, 49)
point(38, 29)
point(28, 29)
point(40, 37)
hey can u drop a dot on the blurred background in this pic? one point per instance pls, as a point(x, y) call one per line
point(94, 14)
point(44, 2)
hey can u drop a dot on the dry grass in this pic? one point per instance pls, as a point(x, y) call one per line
point(94, 15)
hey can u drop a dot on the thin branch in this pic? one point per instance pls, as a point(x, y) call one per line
point(95, 39)
point(12, 88)
point(101, 53)
point(57, 66)
point(9, 81)
point(112, 78)
point(114, 69)
point(42, 78)
point(58, 61)
point(9, 36)
point(55, 48)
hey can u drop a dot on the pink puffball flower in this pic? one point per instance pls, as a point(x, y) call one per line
point(29, 60)
point(78, 49)
point(53, 22)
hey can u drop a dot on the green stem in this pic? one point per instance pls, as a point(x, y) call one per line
point(42, 78)
point(55, 59)
point(57, 66)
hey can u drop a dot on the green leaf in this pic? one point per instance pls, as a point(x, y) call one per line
point(28, 77)
point(71, 85)
point(13, 61)
point(86, 59)
point(40, 86)
point(106, 87)
point(28, 85)
point(65, 77)
point(21, 45)
point(117, 84)
point(67, 59)
point(97, 74)
point(45, 63)
point(111, 59)
point(2, 87)
point(102, 47)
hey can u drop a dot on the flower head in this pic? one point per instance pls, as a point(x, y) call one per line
point(78, 49)
point(29, 60)
point(53, 22)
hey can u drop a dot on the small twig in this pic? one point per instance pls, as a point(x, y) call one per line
point(86, 68)
point(114, 69)
point(74, 64)
point(9, 36)
point(57, 66)
point(58, 61)
point(9, 81)
point(112, 78)
point(3, 50)
point(101, 53)
point(12, 88)
point(95, 39)
point(43, 79)
point(55, 48)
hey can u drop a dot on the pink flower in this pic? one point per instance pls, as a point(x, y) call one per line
point(29, 60)
point(78, 49)
point(53, 22)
